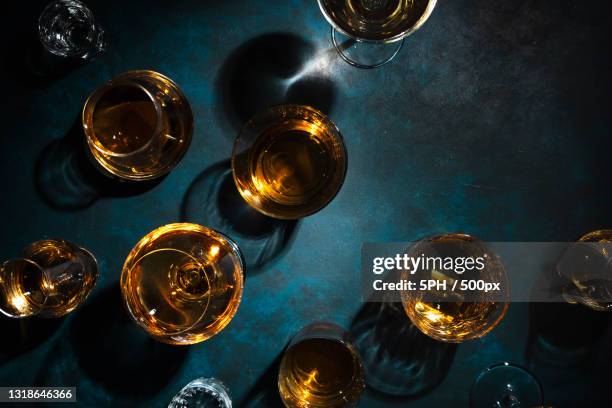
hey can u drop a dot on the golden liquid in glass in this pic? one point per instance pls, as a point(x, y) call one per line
point(319, 372)
point(181, 284)
point(376, 19)
point(54, 278)
point(138, 126)
point(292, 169)
point(455, 322)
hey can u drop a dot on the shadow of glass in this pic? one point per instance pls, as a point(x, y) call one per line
point(563, 334)
point(269, 70)
point(67, 180)
point(22, 335)
point(264, 393)
point(117, 354)
point(214, 201)
point(399, 360)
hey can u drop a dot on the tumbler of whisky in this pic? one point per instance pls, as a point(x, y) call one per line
point(182, 283)
point(455, 316)
point(289, 161)
point(370, 33)
point(586, 271)
point(321, 369)
point(138, 126)
point(51, 279)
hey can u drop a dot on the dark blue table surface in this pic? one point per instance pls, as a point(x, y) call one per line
point(493, 120)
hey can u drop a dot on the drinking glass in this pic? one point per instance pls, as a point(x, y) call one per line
point(67, 28)
point(182, 283)
point(586, 271)
point(455, 316)
point(52, 278)
point(138, 126)
point(370, 33)
point(321, 369)
point(289, 161)
point(506, 385)
point(202, 393)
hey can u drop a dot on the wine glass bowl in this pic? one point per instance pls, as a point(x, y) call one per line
point(182, 283)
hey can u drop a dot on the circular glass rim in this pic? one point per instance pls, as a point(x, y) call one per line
point(431, 4)
point(486, 370)
point(337, 135)
point(46, 44)
point(91, 104)
point(160, 231)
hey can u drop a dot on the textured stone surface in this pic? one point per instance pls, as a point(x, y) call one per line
point(493, 120)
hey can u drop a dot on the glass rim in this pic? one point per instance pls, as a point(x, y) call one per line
point(37, 307)
point(44, 13)
point(163, 230)
point(328, 123)
point(91, 104)
point(507, 364)
point(431, 4)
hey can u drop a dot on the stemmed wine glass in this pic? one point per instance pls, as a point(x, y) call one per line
point(506, 385)
point(370, 33)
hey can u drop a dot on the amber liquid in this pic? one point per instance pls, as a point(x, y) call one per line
point(455, 322)
point(319, 372)
point(376, 19)
point(138, 126)
point(293, 169)
point(55, 278)
point(184, 288)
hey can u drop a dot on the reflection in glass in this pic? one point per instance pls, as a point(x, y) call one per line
point(138, 126)
point(449, 315)
point(321, 368)
point(370, 33)
point(52, 279)
point(183, 283)
point(67, 29)
point(202, 393)
point(586, 269)
point(505, 386)
point(289, 161)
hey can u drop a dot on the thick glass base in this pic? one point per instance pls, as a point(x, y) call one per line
point(365, 55)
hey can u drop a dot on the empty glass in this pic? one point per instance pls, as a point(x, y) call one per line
point(289, 161)
point(67, 29)
point(506, 385)
point(370, 33)
point(52, 279)
point(202, 393)
point(138, 126)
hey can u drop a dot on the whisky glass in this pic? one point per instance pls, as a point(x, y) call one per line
point(138, 126)
point(289, 161)
point(370, 33)
point(585, 268)
point(321, 369)
point(455, 316)
point(67, 28)
point(506, 385)
point(52, 278)
point(182, 283)
point(202, 393)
